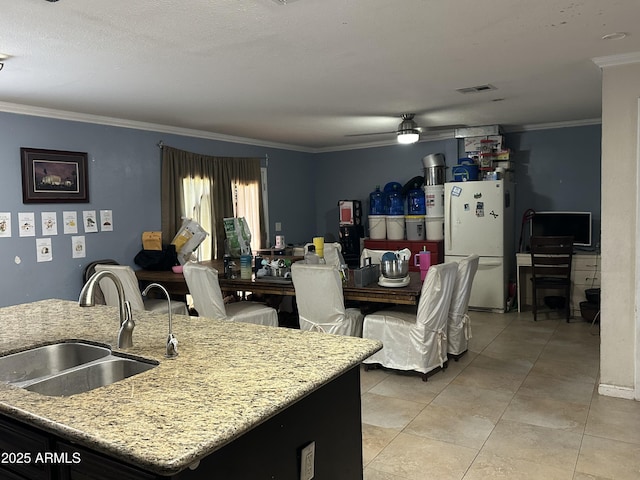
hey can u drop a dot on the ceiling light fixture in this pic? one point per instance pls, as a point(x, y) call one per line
point(3, 57)
point(408, 136)
point(408, 130)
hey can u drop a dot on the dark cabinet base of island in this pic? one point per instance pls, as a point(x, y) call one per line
point(330, 416)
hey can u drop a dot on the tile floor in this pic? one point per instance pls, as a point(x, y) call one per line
point(521, 404)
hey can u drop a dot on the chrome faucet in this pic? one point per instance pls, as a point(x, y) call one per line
point(172, 341)
point(87, 299)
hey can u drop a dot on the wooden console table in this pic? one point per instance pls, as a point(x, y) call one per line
point(585, 273)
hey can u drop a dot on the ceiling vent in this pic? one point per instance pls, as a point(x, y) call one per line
point(476, 89)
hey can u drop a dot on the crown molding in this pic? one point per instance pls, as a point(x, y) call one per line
point(154, 127)
point(136, 125)
point(550, 125)
point(616, 60)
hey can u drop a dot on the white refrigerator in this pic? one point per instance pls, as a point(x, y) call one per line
point(479, 218)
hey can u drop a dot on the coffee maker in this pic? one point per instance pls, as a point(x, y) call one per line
point(351, 230)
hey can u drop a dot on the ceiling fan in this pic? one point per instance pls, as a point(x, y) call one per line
point(408, 131)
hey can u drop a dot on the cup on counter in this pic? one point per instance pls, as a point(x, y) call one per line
point(422, 260)
point(318, 242)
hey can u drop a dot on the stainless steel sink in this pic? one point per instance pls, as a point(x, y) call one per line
point(88, 377)
point(48, 359)
point(68, 368)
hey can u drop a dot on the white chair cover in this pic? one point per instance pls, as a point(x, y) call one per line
point(410, 341)
point(459, 324)
point(321, 301)
point(132, 292)
point(204, 287)
point(376, 255)
point(332, 252)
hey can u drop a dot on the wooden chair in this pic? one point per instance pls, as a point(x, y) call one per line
point(551, 268)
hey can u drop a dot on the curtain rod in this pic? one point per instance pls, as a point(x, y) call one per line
point(266, 155)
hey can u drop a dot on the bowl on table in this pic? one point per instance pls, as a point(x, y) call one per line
point(394, 268)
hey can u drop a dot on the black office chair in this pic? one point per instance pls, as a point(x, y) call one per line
point(551, 267)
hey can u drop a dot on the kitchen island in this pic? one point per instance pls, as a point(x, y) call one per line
point(240, 400)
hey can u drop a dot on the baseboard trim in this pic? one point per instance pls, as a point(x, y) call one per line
point(616, 391)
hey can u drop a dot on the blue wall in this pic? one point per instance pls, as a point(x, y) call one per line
point(124, 176)
point(556, 169)
point(354, 174)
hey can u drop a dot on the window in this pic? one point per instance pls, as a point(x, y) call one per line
point(246, 203)
point(196, 198)
point(209, 189)
point(197, 203)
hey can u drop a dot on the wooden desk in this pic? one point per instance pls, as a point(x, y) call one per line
point(585, 273)
point(176, 285)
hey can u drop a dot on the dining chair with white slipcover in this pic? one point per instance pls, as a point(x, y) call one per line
point(203, 285)
point(415, 340)
point(459, 323)
point(132, 293)
point(320, 301)
point(333, 254)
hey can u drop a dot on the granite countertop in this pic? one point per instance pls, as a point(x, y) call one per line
point(228, 378)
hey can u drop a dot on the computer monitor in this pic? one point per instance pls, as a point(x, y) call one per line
point(577, 224)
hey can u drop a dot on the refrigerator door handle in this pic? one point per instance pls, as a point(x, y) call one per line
point(447, 214)
point(490, 263)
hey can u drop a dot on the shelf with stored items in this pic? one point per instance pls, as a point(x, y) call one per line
point(490, 154)
point(495, 165)
point(436, 247)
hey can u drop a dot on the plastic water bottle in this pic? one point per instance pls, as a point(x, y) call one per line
point(394, 202)
point(311, 257)
point(377, 202)
point(416, 202)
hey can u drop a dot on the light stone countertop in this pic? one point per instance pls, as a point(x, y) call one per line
point(228, 378)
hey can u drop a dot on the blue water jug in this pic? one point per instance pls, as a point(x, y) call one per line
point(394, 202)
point(377, 204)
point(416, 202)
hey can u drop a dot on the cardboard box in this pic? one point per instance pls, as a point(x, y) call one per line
point(476, 144)
point(152, 240)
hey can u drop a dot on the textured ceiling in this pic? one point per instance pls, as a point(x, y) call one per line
point(311, 73)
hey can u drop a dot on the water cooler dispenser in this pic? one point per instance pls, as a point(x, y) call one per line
point(351, 231)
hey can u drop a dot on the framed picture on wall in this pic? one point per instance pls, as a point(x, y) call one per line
point(54, 176)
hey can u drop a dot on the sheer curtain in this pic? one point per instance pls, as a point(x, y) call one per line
point(247, 204)
point(196, 194)
point(186, 176)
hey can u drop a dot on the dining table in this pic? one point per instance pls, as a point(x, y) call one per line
point(176, 285)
